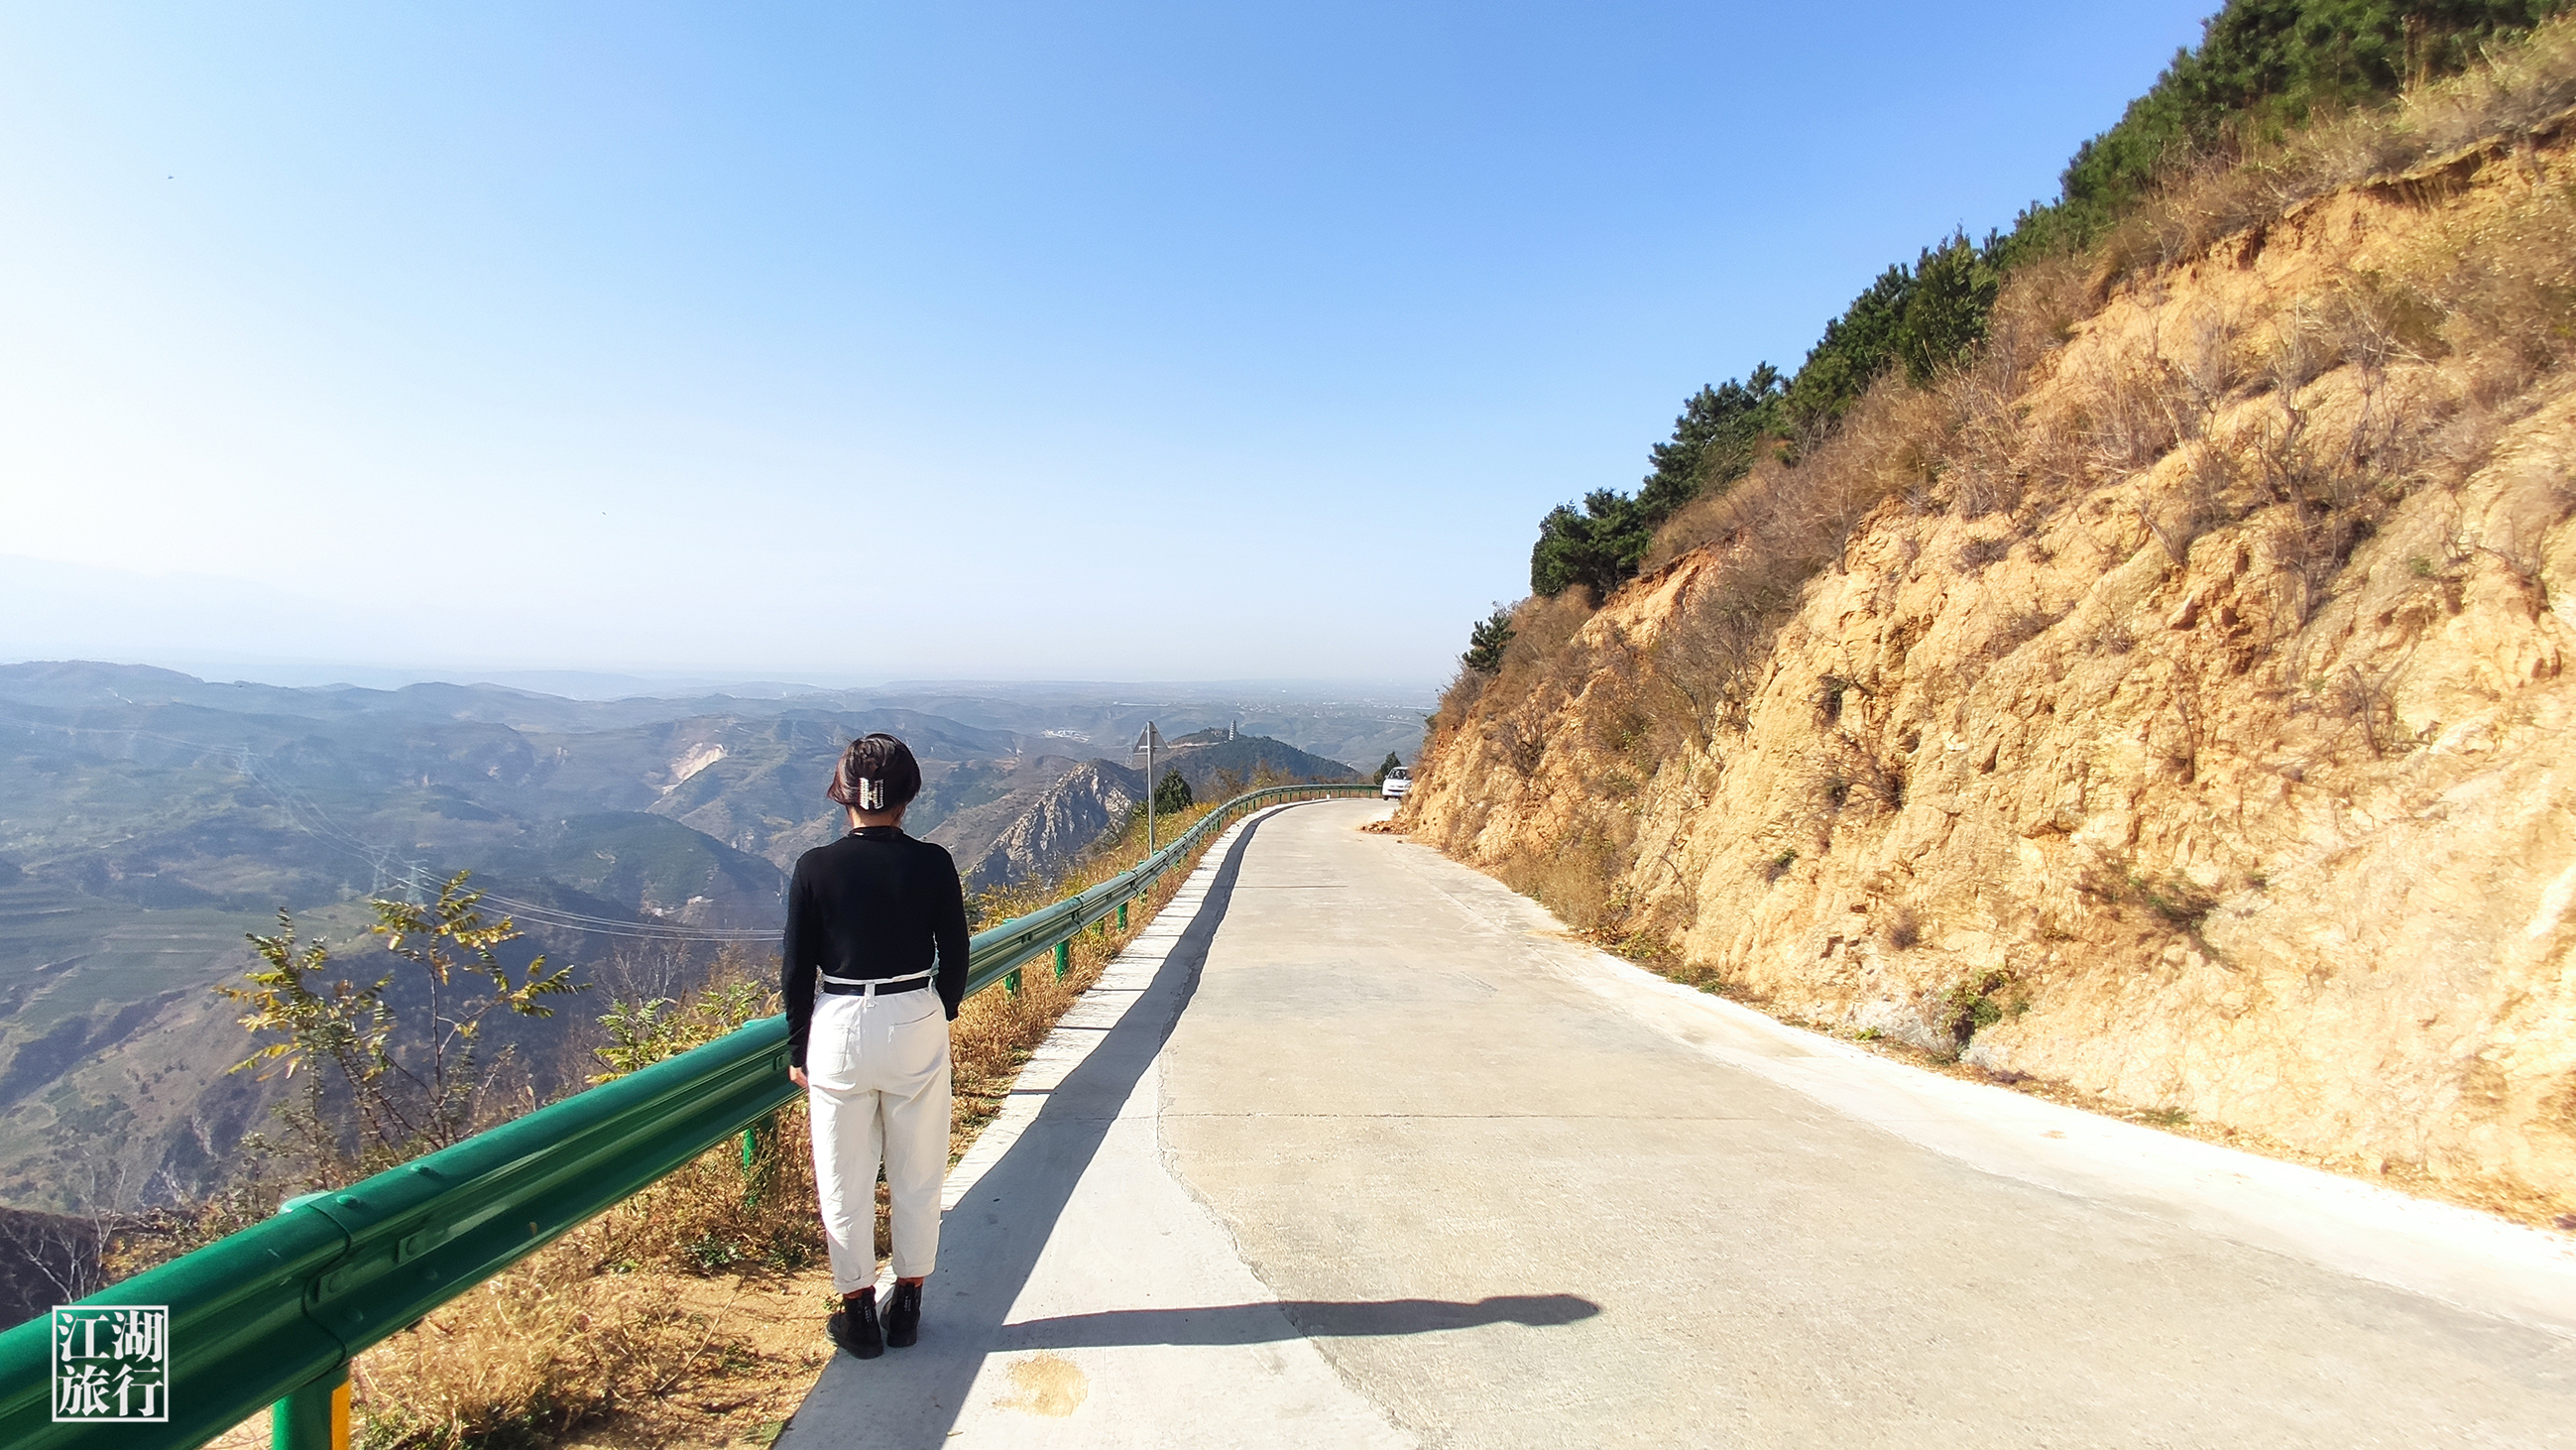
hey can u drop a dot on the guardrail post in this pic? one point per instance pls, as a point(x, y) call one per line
point(1011, 983)
point(1063, 958)
point(1122, 916)
point(756, 1157)
point(313, 1417)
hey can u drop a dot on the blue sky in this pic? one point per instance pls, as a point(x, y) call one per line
point(1133, 341)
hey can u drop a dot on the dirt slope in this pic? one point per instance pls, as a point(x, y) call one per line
point(2184, 721)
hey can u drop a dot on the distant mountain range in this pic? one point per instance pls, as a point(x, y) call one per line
point(1219, 763)
point(148, 819)
point(1036, 831)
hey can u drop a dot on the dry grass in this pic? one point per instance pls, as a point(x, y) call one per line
point(1781, 527)
point(2522, 94)
point(1574, 880)
point(691, 1314)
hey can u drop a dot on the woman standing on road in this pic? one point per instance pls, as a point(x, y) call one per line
point(875, 965)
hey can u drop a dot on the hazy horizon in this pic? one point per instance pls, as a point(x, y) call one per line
point(600, 685)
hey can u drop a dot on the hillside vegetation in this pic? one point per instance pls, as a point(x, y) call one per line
point(2160, 697)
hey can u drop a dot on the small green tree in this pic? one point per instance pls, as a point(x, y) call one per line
point(643, 1031)
point(1946, 309)
point(1714, 442)
point(1172, 794)
point(1383, 766)
point(393, 1064)
point(1597, 546)
point(1485, 641)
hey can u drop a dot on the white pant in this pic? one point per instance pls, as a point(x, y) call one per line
point(876, 1073)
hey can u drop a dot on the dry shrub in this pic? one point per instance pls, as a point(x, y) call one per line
point(2122, 416)
point(1541, 627)
point(1576, 877)
point(1595, 715)
point(587, 1325)
point(529, 1355)
point(2377, 321)
point(1849, 774)
point(2358, 417)
point(2125, 413)
point(1904, 928)
point(1714, 648)
point(2202, 355)
point(2499, 107)
point(1989, 464)
point(1534, 660)
point(719, 1215)
point(1989, 467)
point(2034, 315)
point(2018, 627)
point(2117, 412)
point(1779, 528)
point(1539, 669)
point(1630, 712)
point(1458, 699)
point(1522, 744)
point(1976, 554)
point(2500, 289)
point(2207, 199)
point(2111, 635)
point(2518, 91)
point(1553, 666)
point(1895, 441)
point(1819, 499)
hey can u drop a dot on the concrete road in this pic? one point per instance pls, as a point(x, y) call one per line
point(1357, 1148)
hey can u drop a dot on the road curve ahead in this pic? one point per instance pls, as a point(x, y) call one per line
point(1356, 1147)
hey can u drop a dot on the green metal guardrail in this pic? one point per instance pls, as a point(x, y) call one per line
point(272, 1315)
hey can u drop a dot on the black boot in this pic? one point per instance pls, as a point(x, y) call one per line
point(903, 1315)
point(855, 1327)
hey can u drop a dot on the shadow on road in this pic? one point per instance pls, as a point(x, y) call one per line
point(1292, 1319)
point(990, 1242)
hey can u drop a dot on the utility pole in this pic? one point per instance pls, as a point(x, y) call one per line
point(1146, 743)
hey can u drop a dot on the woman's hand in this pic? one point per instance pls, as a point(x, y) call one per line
point(796, 1075)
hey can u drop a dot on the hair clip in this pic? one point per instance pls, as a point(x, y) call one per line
point(872, 794)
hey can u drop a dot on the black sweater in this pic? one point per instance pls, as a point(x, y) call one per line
point(875, 903)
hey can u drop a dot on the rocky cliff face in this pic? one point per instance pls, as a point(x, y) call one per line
point(2183, 720)
point(1046, 833)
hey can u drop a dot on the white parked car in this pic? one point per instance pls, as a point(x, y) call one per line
point(1398, 781)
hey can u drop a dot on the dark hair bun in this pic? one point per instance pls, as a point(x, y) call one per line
point(877, 773)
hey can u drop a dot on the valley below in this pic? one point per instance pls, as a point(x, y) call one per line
point(149, 821)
